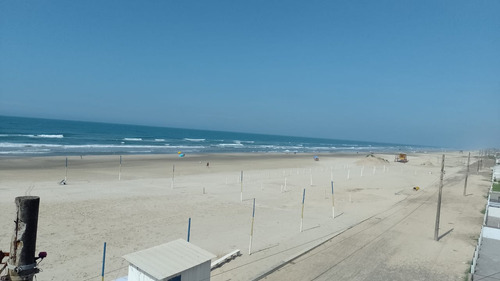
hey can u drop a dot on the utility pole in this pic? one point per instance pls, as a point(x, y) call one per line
point(478, 163)
point(22, 261)
point(438, 213)
point(466, 176)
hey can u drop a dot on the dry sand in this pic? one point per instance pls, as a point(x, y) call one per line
point(386, 228)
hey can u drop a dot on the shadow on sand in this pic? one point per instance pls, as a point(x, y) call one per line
point(446, 233)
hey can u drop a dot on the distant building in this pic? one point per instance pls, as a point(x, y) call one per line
point(174, 261)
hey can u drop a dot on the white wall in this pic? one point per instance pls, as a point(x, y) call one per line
point(134, 274)
point(197, 273)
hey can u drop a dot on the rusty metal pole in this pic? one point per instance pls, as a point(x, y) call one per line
point(438, 213)
point(21, 264)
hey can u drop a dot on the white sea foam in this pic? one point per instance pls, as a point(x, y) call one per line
point(230, 145)
point(279, 147)
point(23, 145)
point(51, 136)
point(24, 152)
point(159, 139)
point(132, 139)
point(195, 140)
point(111, 146)
point(17, 135)
point(185, 146)
point(48, 136)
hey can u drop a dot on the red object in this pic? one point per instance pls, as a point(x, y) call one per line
point(42, 255)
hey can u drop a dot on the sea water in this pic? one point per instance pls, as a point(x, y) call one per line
point(34, 136)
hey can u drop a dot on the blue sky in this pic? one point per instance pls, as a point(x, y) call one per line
point(415, 72)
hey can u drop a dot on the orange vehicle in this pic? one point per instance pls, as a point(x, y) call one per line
point(401, 157)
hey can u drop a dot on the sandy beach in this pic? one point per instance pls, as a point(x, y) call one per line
point(383, 229)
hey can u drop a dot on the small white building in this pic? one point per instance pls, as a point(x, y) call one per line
point(178, 260)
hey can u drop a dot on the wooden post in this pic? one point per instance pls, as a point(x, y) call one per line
point(478, 166)
point(241, 185)
point(466, 175)
point(189, 229)
point(251, 229)
point(173, 176)
point(302, 215)
point(66, 175)
point(333, 203)
point(120, 171)
point(438, 213)
point(23, 245)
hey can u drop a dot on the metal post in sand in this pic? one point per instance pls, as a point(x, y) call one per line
point(103, 261)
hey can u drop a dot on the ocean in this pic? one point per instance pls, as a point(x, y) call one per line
point(43, 137)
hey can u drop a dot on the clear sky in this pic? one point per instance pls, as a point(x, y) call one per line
point(414, 72)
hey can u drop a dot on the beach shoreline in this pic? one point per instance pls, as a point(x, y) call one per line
point(148, 200)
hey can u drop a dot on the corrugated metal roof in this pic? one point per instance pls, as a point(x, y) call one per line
point(169, 259)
